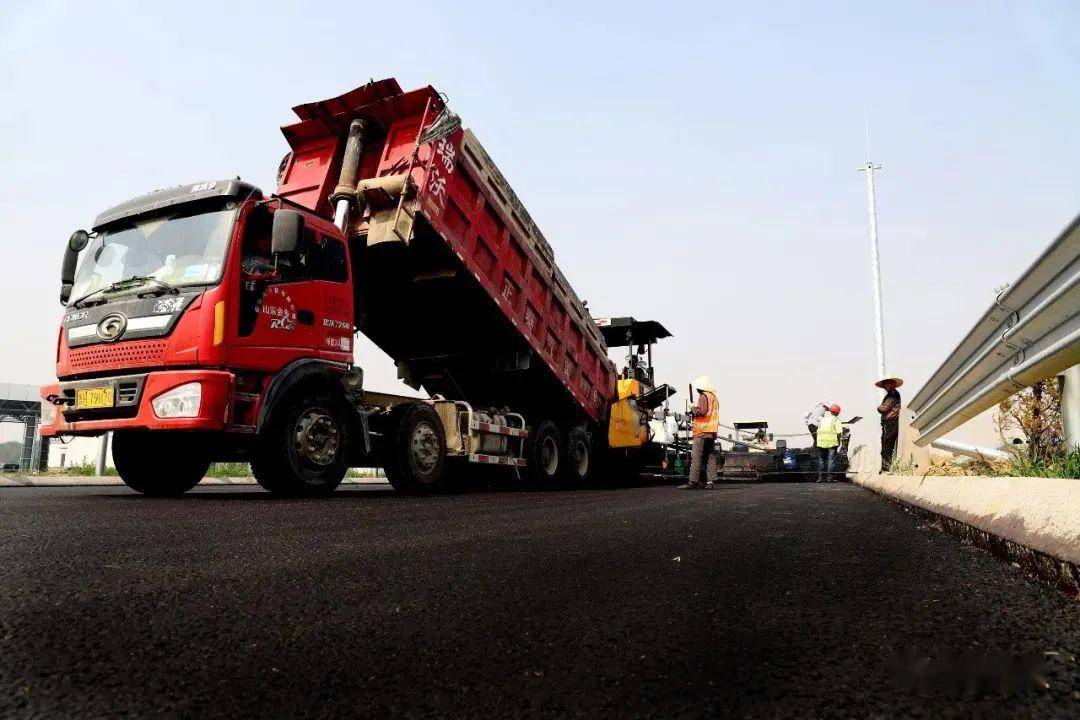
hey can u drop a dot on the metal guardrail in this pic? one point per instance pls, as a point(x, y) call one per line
point(1032, 332)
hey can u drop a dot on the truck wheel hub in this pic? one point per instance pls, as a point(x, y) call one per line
point(549, 455)
point(317, 437)
point(424, 447)
point(581, 459)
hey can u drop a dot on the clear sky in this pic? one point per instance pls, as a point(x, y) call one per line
point(694, 163)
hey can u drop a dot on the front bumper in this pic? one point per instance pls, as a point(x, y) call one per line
point(138, 414)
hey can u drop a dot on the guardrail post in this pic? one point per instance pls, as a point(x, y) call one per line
point(1070, 405)
point(103, 453)
point(910, 458)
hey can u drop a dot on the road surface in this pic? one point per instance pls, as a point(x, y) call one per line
point(749, 600)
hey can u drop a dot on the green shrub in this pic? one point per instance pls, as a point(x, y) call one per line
point(1058, 465)
point(233, 469)
point(83, 469)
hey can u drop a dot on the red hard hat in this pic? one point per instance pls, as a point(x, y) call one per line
point(835, 409)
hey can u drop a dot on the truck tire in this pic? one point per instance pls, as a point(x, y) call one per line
point(415, 459)
point(578, 460)
point(302, 450)
point(159, 464)
point(389, 430)
point(543, 457)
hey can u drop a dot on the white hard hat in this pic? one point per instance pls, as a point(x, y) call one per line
point(703, 383)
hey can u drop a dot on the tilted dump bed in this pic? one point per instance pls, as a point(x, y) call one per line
point(455, 280)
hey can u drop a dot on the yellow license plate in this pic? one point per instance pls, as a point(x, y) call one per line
point(89, 398)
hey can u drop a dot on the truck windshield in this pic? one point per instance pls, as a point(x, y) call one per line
point(184, 248)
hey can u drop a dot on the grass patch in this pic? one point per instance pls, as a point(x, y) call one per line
point(1065, 465)
point(365, 473)
point(86, 469)
point(229, 469)
point(217, 470)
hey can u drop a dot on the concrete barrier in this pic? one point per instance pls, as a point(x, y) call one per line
point(1033, 521)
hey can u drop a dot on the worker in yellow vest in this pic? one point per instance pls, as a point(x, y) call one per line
point(706, 423)
point(828, 439)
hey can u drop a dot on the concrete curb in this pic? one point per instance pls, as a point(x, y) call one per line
point(113, 481)
point(1033, 521)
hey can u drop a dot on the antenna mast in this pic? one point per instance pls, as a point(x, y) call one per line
point(875, 264)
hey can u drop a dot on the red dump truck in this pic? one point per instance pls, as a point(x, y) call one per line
point(208, 322)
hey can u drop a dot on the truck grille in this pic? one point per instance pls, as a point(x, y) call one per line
point(129, 354)
point(126, 392)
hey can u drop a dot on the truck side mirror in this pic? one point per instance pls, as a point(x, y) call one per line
point(75, 243)
point(286, 232)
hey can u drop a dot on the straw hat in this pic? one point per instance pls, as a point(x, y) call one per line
point(703, 383)
point(881, 381)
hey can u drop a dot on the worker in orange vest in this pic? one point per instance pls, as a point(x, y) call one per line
point(706, 423)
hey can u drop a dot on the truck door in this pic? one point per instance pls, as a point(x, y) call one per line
point(297, 308)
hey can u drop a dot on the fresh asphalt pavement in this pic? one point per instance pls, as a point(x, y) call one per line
point(749, 600)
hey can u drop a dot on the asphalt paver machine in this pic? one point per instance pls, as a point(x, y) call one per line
point(654, 440)
point(753, 453)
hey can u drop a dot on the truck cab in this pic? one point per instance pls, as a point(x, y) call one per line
point(191, 305)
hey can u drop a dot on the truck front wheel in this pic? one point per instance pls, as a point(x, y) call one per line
point(159, 464)
point(302, 449)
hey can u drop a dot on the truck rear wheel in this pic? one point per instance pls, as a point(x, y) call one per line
point(302, 451)
point(545, 454)
point(159, 464)
point(415, 460)
point(578, 461)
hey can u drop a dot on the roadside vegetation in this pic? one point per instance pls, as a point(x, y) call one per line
point(1033, 414)
point(1066, 465)
point(83, 469)
point(217, 470)
point(87, 469)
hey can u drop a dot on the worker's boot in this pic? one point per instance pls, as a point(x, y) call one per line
point(690, 486)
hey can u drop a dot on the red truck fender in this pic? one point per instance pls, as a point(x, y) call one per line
point(305, 370)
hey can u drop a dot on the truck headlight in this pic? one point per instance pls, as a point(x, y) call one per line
point(180, 402)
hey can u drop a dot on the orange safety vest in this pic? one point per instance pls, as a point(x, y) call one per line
point(710, 423)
